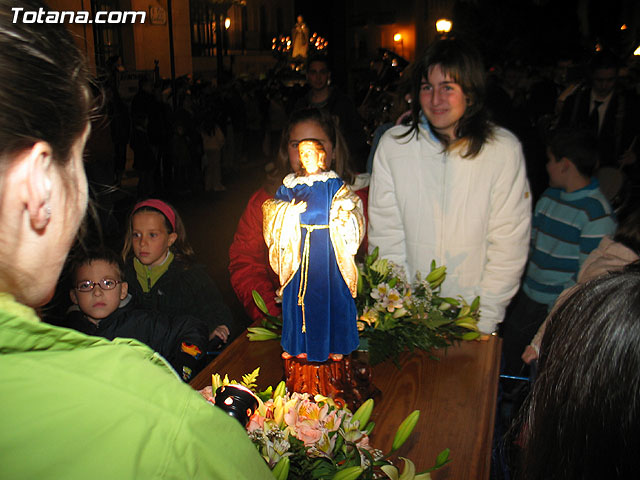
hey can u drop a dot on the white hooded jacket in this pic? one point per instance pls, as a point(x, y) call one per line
point(471, 214)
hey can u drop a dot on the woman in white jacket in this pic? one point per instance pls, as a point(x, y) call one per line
point(453, 187)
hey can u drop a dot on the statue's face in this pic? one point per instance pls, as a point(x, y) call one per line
point(312, 156)
point(305, 131)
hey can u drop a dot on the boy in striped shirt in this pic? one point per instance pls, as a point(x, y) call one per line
point(569, 221)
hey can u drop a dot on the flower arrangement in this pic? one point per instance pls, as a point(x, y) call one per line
point(311, 437)
point(395, 315)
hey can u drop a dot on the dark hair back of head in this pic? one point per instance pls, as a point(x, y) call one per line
point(33, 55)
point(583, 413)
point(86, 257)
point(318, 58)
point(579, 146)
point(463, 63)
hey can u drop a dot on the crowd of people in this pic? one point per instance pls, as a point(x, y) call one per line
point(447, 180)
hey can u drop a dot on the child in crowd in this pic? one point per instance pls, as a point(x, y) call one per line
point(161, 272)
point(612, 254)
point(104, 309)
point(570, 219)
point(248, 255)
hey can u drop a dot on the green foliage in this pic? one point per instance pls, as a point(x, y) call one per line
point(396, 316)
point(249, 380)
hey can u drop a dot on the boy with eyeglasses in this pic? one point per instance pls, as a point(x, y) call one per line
point(103, 308)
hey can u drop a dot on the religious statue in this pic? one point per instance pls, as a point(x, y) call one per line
point(300, 39)
point(313, 228)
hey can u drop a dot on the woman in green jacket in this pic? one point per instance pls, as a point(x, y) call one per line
point(71, 405)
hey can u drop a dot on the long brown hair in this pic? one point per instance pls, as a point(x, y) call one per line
point(44, 85)
point(462, 62)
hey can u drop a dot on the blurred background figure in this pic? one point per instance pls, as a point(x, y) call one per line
point(601, 105)
point(323, 95)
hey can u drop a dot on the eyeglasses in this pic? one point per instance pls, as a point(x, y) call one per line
point(104, 284)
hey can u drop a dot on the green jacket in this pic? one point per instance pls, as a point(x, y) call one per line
point(74, 406)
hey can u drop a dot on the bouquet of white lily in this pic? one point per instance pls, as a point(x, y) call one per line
point(302, 436)
point(396, 315)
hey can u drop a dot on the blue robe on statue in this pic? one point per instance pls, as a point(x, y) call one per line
point(318, 310)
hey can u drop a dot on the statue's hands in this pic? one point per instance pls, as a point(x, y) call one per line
point(346, 204)
point(299, 207)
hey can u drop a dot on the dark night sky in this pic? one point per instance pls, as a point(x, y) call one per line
point(534, 30)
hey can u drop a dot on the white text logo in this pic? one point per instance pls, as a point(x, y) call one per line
point(52, 16)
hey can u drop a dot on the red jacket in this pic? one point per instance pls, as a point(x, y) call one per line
point(249, 259)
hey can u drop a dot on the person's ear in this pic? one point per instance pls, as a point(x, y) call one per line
point(74, 296)
point(124, 290)
point(566, 164)
point(172, 238)
point(36, 172)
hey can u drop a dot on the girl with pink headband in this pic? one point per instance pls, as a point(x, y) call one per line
point(162, 273)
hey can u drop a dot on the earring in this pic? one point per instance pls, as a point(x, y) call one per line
point(47, 211)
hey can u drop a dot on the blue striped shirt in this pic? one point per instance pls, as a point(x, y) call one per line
point(566, 227)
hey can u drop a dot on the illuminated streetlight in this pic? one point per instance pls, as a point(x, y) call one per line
point(443, 26)
point(398, 39)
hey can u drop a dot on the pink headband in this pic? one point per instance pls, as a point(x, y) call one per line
point(166, 210)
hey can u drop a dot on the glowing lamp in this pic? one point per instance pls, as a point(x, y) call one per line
point(397, 37)
point(227, 23)
point(637, 51)
point(443, 26)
